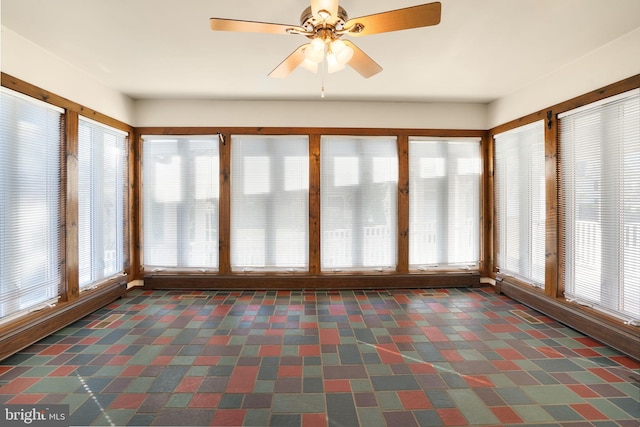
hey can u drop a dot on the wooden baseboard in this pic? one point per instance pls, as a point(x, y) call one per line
point(37, 326)
point(329, 281)
point(606, 330)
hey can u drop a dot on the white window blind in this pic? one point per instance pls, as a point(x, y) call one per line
point(102, 201)
point(180, 201)
point(269, 203)
point(31, 226)
point(600, 201)
point(359, 180)
point(520, 202)
point(444, 202)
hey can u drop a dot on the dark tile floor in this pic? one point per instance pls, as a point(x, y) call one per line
point(325, 358)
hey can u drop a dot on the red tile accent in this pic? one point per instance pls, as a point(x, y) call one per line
point(228, 417)
point(205, 400)
point(220, 339)
point(582, 390)
point(536, 334)
point(116, 349)
point(505, 365)
point(434, 333)
point(550, 353)
point(452, 355)
point(314, 420)
point(89, 340)
point(478, 381)
point(309, 325)
point(509, 354)
point(606, 375)
point(588, 412)
point(437, 307)
point(290, 371)
point(501, 327)
point(414, 400)
point(54, 350)
point(586, 352)
point(163, 340)
point(62, 371)
point(162, 360)
point(329, 336)
point(588, 342)
point(26, 399)
point(132, 371)
point(274, 332)
point(119, 361)
point(269, 350)
point(18, 385)
point(189, 385)
point(242, 379)
point(469, 336)
point(206, 360)
point(128, 401)
point(402, 299)
point(506, 415)
point(221, 310)
point(626, 361)
point(422, 368)
point(309, 350)
point(389, 353)
point(337, 386)
point(452, 417)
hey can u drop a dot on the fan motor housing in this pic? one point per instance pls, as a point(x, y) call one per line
point(310, 23)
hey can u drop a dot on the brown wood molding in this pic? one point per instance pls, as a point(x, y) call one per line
point(227, 131)
point(311, 281)
point(36, 326)
point(608, 331)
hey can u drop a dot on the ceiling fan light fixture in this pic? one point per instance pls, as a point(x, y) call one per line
point(342, 52)
point(333, 64)
point(324, 14)
point(309, 65)
point(315, 51)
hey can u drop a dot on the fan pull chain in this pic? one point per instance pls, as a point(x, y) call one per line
point(323, 73)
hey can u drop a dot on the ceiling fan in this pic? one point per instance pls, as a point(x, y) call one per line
point(324, 23)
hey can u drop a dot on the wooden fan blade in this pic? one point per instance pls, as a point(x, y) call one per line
point(361, 62)
point(330, 6)
point(221, 24)
point(395, 20)
point(290, 63)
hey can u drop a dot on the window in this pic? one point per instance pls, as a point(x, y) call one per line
point(359, 180)
point(600, 199)
point(180, 196)
point(520, 202)
point(444, 202)
point(102, 195)
point(31, 222)
point(269, 203)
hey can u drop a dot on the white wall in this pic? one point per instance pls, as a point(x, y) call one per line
point(27, 61)
point(613, 62)
point(310, 114)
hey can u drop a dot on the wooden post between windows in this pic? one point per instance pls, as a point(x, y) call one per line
point(403, 204)
point(71, 238)
point(314, 204)
point(551, 197)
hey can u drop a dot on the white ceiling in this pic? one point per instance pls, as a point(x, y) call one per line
point(481, 51)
